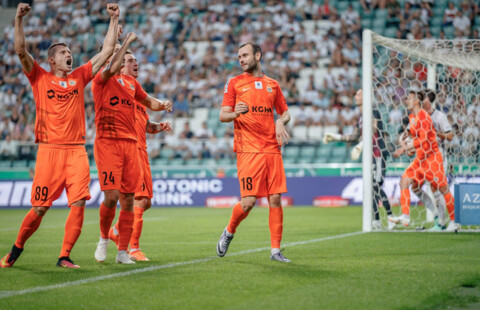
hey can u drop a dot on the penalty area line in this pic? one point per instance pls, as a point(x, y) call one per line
point(31, 290)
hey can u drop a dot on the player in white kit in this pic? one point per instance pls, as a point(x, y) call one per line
point(444, 132)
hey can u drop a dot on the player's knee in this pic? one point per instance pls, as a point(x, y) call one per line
point(275, 201)
point(404, 183)
point(127, 201)
point(148, 204)
point(79, 203)
point(111, 199)
point(247, 204)
point(40, 211)
point(444, 189)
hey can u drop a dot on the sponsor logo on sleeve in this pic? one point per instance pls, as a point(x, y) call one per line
point(226, 86)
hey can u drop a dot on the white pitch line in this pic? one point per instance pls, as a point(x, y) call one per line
point(6, 294)
point(146, 219)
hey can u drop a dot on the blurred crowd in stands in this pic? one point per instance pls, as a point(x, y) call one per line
point(187, 50)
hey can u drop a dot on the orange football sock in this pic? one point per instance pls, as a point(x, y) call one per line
point(450, 202)
point(73, 228)
point(30, 224)
point(106, 218)
point(125, 228)
point(405, 200)
point(275, 222)
point(238, 215)
point(137, 227)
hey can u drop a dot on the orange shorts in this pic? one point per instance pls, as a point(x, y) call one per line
point(429, 169)
point(146, 188)
point(261, 174)
point(117, 164)
point(58, 167)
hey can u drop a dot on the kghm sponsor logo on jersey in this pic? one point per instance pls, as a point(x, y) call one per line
point(261, 111)
point(62, 97)
point(124, 102)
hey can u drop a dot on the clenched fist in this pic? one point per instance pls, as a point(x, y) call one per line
point(167, 106)
point(113, 10)
point(23, 9)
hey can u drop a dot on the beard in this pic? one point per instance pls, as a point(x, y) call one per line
point(251, 67)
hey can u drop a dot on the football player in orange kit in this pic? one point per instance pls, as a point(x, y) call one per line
point(62, 161)
point(249, 100)
point(115, 149)
point(428, 163)
point(143, 197)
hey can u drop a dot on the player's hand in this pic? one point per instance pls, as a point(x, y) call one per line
point(131, 37)
point(330, 137)
point(241, 108)
point(398, 152)
point(119, 31)
point(23, 9)
point(411, 151)
point(113, 10)
point(357, 151)
point(281, 133)
point(165, 126)
point(168, 106)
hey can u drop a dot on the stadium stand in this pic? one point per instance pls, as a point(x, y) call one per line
point(187, 51)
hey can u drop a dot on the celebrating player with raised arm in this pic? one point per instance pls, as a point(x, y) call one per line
point(62, 161)
point(249, 100)
point(143, 197)
point(379, 159)
point(115, 148)
point(428, 163)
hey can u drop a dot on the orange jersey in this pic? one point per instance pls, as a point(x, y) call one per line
point(423, 133)
point(115, 106)
point(141, 120)
point(59, 105)
point(255, 130)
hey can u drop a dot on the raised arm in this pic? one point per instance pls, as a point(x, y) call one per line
point(99, 60)
point(155, 104)
point(280, 131)
point(25, 58)
point(117, 61)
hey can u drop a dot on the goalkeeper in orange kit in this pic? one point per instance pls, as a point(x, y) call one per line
point(428, 163)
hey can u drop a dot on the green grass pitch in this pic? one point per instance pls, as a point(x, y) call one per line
point(334, 265)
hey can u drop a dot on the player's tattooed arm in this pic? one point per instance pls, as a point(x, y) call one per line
point(26, 59)
point(228, 114)
point(154, 128)
point(155, 104)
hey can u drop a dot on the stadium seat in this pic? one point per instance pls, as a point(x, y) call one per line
point(324, 151)
point(167, 153)
point(291, 151)
point(209, 162)
point(315, 133)
point(289, 160)
point(176, 161)
point(224, 161)
point(193, 161)
point(300, 132)
point(307, 152)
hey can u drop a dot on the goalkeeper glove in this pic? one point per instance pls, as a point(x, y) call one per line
point(357, 151)
point(330, 137)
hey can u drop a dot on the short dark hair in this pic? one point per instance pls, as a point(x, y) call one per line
point(420, 95)
point(256, 48)
point(52, 48)
point(431, 95)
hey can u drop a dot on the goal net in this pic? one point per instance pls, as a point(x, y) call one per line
point(391, 70)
